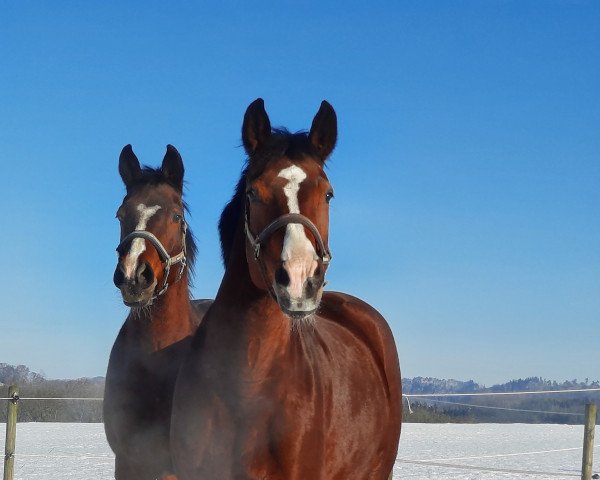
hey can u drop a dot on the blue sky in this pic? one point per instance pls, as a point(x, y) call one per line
point(467, 172)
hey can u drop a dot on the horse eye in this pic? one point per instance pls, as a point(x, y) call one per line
point(329, 196)
point(177, 217)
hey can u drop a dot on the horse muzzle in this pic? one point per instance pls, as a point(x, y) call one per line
point(299, 280)
point(302, 304)
point(137, 291)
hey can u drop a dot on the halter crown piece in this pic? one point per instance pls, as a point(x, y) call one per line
point(168, 260)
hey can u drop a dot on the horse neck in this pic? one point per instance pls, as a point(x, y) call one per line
point(168, 320)
point(243, 301)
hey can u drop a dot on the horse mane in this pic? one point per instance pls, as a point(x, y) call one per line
point(229, 217)
point(154, 177)
point(281, 143)
point(191, 248)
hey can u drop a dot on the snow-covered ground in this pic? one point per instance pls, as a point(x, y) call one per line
point(486, 451)
point(74, 451)
point(53, 451)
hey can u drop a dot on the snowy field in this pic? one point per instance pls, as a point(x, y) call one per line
point(73, 451)
point(487, 451)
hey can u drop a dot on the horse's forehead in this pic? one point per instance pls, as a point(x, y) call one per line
point(144, 214)
point(162, 195)
point(293, 174)
point(287, 171)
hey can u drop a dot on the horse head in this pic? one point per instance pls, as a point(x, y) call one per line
point(287, 207)
point(155, 245)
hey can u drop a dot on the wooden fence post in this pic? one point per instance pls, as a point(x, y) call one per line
point(11, 432)
point(588, 441)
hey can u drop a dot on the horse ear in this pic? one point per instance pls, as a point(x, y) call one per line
point(323, 132)
point(256, 128)
point(172, 167)
point(129, 166)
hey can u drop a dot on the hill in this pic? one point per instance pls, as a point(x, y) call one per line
point(551, 408)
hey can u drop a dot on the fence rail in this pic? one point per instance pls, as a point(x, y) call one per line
point(588, 445)
point(492, 394)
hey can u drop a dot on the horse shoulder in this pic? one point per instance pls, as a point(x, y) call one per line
point(358, 316)
point(367, 325)
point(370, 328)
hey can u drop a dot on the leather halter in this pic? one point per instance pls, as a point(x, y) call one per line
point(168, 260)
point(256, 241)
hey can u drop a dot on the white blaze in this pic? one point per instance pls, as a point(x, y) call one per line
point(298, 254)
point(138, 245)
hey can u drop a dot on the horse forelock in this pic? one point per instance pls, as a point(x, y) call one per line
point(281, 143)
point(151, 176)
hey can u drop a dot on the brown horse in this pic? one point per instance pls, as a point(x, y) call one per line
point(155, 253)
point(284, 381)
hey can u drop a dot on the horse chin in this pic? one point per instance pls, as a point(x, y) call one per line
point(298, 309)
point(298, 316)
point(138, 304)
point(138, 300)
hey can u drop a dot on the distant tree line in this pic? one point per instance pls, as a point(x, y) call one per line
point(560, 408)
point(506, 409)
point(35, 385)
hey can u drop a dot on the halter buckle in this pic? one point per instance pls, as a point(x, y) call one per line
point(256, 250)
point(183, 263)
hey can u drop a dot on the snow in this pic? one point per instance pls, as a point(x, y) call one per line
point(53, 451)
point(490, 446)
point(76, 451)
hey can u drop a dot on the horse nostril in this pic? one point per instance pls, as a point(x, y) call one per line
point(119, 276)
point(311, 286)
point(282, 277)
point(144, 275)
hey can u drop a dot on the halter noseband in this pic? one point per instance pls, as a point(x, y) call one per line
point(168, 261)
point(296, 218)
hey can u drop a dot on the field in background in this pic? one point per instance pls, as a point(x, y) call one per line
point(78, 451)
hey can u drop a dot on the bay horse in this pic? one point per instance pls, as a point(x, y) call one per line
point(155, 255)
point(284, 381)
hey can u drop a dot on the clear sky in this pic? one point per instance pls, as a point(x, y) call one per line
point(467, 172)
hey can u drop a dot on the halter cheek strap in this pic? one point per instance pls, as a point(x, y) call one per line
point(168, 260)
